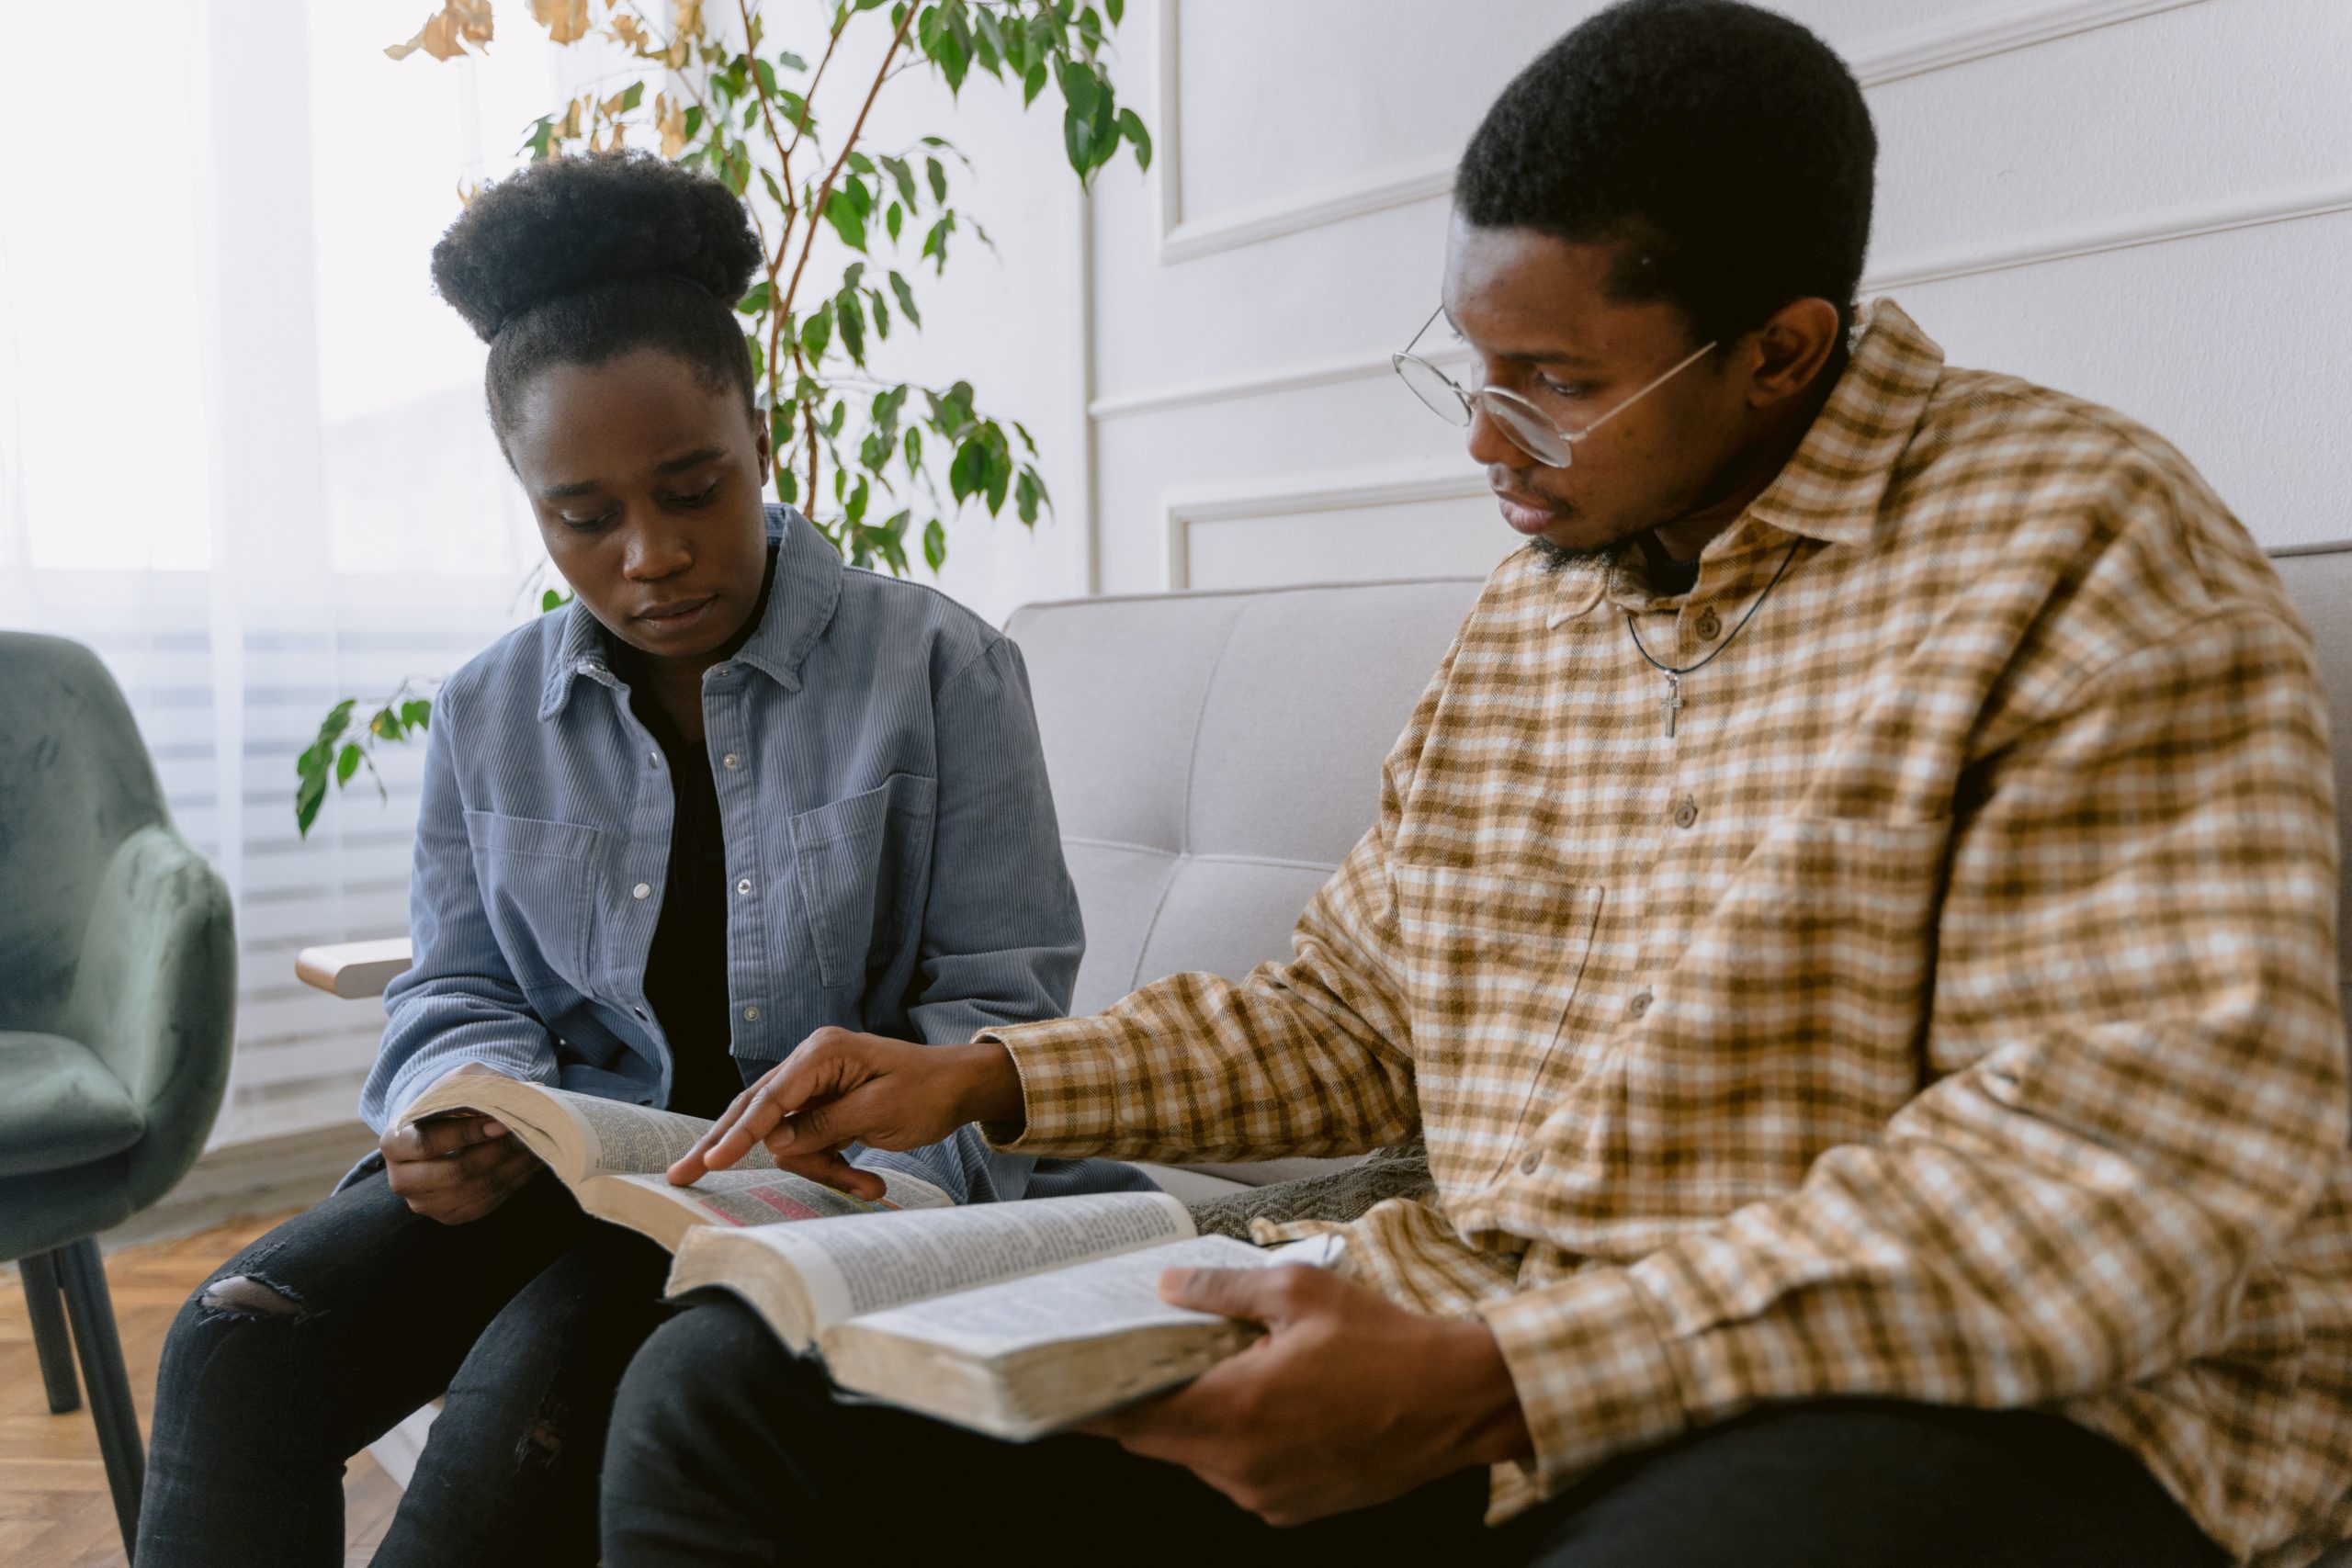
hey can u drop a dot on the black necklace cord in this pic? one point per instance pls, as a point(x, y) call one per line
point(1634, 631)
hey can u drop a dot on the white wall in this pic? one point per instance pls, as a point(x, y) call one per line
point(2147, 202)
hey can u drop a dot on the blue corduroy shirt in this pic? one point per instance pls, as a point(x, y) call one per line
point(893, 864)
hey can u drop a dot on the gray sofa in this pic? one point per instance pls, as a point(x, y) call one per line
point(1213, 757)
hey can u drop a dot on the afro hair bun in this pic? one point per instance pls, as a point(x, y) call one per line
point(570, 223)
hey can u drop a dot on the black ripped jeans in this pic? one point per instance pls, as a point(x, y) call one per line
point(525, 1317)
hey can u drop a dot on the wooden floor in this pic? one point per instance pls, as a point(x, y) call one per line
point(55, 1511)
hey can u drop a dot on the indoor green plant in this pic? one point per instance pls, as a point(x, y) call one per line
point(861, 456)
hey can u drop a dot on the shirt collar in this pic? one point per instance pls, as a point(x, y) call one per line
point(800, 607)
point(1832, 488)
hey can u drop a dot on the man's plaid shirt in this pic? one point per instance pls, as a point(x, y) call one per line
point(1948, 1010)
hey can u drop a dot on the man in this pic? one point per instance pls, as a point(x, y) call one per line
point(1852, 916)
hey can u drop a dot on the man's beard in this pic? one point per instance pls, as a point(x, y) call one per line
point(1557, 559)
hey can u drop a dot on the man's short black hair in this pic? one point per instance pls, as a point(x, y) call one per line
point(1726, 147)
point(580, 259)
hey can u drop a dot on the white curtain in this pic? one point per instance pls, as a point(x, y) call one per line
point(241, 446)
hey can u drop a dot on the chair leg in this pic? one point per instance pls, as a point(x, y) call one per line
point(52, 1343)
point(110, 1407)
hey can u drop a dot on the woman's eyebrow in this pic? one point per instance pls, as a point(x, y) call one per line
point(699, 456)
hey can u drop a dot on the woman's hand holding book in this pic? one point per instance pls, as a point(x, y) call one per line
point(456, 1167)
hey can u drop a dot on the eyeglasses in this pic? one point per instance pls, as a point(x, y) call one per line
point(1529, 427)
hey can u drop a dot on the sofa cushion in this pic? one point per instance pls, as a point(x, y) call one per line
point(1215, 755)
point(59, 1106)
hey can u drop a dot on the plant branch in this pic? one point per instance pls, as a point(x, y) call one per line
point(817, 203)
point(809, 98)
point(809, 423)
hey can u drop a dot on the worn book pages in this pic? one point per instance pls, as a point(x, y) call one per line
point(628, 1138)
point(1027, 1357)
point(805, 1277)
point(613, 1155)
point(734, 1199)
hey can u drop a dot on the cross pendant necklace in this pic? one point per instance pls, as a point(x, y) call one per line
point(1671, 704)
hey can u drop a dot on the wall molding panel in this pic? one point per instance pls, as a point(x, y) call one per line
point(1339, 492)
point(1975, 34)
point(2189, 222)
point(1992, 30)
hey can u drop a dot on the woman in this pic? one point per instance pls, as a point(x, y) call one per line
point(734, 793)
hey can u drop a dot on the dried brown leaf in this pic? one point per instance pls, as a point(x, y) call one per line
point(446, 32)
point(565, 20)
point(671, 120)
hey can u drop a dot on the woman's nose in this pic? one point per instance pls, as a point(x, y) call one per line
point(654, 553)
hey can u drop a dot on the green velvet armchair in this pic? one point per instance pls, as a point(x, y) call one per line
point(117, 996)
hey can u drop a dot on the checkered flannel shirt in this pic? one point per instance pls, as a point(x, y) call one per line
point(1947, 1010)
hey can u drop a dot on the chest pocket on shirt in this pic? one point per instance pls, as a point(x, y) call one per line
point(1493, 960)
point(538, 882)
point(859, 862)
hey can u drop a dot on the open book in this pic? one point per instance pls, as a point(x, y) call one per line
point(1014, 1319)
point(613, 1154)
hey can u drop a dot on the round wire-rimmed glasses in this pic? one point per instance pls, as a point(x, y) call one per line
point(1529, 427)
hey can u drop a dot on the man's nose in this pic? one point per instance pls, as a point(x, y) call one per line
point(1489, 444)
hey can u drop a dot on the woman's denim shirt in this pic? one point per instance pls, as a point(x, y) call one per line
point(891, 853)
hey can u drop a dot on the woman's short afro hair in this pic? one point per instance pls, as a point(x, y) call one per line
point(1726, 146)
point(576, 260)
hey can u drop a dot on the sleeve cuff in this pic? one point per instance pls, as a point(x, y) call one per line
point(1064, 1095)
point(1595, 1379)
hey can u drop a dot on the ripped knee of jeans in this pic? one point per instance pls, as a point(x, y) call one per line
point(543, 1442)
point(242, 1295)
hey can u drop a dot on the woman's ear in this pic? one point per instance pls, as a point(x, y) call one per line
point(1792, 347)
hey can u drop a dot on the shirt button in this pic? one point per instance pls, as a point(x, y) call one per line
point(1639, 1002)
point(751, 1015)
point(639, 1011)
point(653, 759)
point(1706, 627)
point(744, 887)
point(592, 667)
point(1685, 812)
point(643, 890)
point(730, 761)
point(1527, 1166)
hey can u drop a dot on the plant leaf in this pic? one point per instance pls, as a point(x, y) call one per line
point(906, 297)
point(847, 222)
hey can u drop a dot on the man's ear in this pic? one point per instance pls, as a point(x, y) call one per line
point(1793, 348)
point(762, 447)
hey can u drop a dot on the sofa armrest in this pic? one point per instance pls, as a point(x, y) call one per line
point(353, 969)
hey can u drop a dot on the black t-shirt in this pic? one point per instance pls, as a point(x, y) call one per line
point(685, 970)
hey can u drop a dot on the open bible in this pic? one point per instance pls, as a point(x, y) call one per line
point(613, 1154)
point(1014, 1319)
